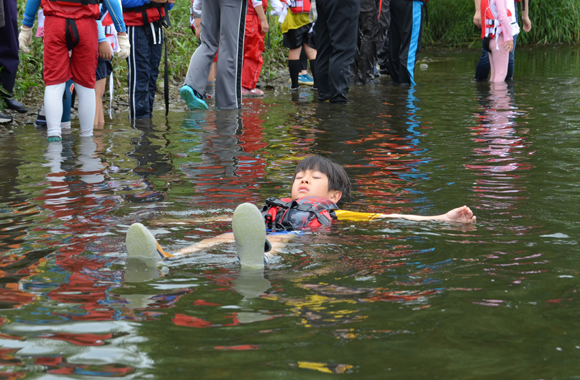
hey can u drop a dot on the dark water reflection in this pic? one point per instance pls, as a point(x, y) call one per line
point(369, 299)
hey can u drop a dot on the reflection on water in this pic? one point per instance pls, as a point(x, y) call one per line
point(371, 299)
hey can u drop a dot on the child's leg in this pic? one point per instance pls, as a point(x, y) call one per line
point(66, 105)
point(499, 59)
point(253, 48)
point(87, 105)
point(294, 66)
point(84, 63)
point(53, 109)
point(57, 70)
point(99, 91)
point(230, 59)
point(141, 243)
point(311, 54)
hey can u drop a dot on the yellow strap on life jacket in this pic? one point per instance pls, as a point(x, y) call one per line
point(355, 216)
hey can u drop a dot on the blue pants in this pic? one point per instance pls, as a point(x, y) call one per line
point(143, 68)
point(9, 47)
point(405, 39)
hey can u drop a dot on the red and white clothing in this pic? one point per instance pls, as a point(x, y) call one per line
point(502, 12)
point(253, 46)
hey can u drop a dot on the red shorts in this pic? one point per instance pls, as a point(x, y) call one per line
point(82, 64)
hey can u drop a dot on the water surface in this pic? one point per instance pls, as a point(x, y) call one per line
point(380, 299)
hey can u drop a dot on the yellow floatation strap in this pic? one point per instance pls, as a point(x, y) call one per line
point(356, 216)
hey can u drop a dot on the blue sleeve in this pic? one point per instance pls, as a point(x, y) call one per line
point(102, 37)
point(134, 3)
point(30, 13)
point(114, 8)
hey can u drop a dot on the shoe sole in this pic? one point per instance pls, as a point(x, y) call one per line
point(141, 243)
point(250, 234)
point(192, 101)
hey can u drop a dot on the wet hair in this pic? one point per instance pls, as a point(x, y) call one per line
point(337, 177)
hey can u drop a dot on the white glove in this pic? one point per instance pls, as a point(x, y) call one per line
point(124, 46)
point(25, 38)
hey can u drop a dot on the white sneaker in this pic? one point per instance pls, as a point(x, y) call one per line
point(141, 243)
point(250, 234)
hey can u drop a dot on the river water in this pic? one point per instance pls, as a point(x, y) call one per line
point(363, 300)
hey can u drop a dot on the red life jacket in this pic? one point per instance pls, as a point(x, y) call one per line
point(71, 9)
point(287, 215)
point(145, 14)
point(491, 27)
point(298, 6)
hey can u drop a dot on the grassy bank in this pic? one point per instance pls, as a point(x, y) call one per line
point(451, 23)
point(449, 26)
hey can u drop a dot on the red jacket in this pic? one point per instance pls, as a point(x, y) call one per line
point(252, 11)
point(72, 10)
point(134, 16)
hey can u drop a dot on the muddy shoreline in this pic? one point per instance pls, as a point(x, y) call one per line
point(120, 103)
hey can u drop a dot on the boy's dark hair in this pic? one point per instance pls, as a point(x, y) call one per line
point(337, 177)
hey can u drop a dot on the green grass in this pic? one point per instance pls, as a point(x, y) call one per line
point(450, 26)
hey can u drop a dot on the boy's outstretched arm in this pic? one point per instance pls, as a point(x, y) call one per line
point(457, 215)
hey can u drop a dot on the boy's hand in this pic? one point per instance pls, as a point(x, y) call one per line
point(509, 46)
point(124, 45)
point(459, 215)
point(264, 26)
point(527, 23)
point(25, 38)
point(105, 50)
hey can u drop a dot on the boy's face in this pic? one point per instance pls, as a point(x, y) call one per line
point(313, 183)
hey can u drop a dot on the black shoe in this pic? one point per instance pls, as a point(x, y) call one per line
point(15, 106)
point(5, 118)
point(40, 120)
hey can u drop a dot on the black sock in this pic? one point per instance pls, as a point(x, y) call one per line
point(313, 70)
point(294, 67)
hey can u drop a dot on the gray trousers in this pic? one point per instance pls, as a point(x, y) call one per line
point(223, 24)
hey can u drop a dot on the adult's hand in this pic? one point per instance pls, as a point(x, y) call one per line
point(25, 38)
point(527, 23)
point(477, 19)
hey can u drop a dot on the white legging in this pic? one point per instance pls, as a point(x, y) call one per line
point(53, 108)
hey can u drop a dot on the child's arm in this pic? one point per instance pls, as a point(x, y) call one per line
point(104, 47)
point(30, 12)
point(262, 16)
point(457, 215)
point(25, 35)
point(525, 16)
point(116, 12)
point(477, 15)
